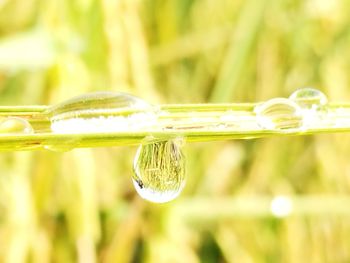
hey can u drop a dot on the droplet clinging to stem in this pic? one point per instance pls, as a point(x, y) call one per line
point(309, 98)
point(15, 125)
point(279, 114)
point(101, 112)
point(159, 170)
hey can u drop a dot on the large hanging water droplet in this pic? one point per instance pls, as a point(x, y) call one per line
point(159, 171)
point(101, 112)
point(279, 114)
point(309, 98)
point(15, 125)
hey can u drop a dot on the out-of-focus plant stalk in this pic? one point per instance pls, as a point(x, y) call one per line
point(196, 209)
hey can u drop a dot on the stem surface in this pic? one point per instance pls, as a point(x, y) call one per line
point(194, 122)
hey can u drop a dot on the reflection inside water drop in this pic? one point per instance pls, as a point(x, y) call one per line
point(279, 114)
point(15, 125)
point(159, 171)
point(309, 98)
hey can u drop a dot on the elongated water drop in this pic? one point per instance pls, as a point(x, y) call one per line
point(159, 171)
point(15, 125)
point(279, 114)
point(101, 112)
point(309, 98)
point(62, 147)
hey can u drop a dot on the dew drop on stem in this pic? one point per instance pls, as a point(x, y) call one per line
point(101, 112)
point(312, 103)
point(15, 125)
point(309, 98)
point(159, 170)
point(62, 147)
point(279, 114)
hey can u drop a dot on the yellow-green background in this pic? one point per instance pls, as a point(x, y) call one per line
point(80, 206)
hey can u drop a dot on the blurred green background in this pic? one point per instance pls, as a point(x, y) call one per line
point(80, 206)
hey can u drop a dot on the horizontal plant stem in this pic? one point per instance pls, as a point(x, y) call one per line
point(193, 122)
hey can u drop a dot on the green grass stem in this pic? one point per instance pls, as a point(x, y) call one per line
point(194, 122)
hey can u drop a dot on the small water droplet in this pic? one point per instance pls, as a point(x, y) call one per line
point(279, 114)
point(15, 125)
point(60, 148)
point(159, 171)
point(101, 112)
point(309, 98)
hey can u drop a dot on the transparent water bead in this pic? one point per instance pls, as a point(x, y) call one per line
point(101, 112)
point(15, 125)
point(62, 147)
point(279, 114)
point(309, 98)
point(159, 171)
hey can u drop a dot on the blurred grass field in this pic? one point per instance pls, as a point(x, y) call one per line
point(80, 206)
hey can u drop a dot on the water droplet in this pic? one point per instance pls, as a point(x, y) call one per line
point(309, 98)
point(15, 125)
point(159, 171)
point(101, 112)
point(60, 148)
point(279, 114)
